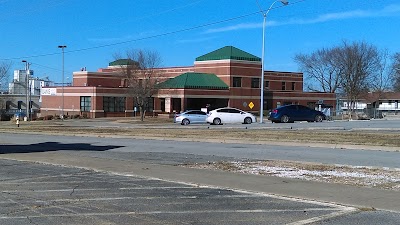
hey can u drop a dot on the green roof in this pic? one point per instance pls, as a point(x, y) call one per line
point(122, 62)
point(195, 81)
point(228, 52)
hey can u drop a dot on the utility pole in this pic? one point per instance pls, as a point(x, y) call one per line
point(265, 13)
point(28, 104)
point(62, 110)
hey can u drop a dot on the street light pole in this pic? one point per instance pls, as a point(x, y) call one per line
point(284, 2)
point(62, 109)
point(28, 104)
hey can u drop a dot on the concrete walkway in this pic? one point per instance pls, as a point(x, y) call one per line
point(364, 198)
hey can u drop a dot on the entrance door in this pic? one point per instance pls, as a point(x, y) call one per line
point(176, 104)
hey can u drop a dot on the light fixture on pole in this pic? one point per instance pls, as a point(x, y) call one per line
point(28, 104)
point(62, 108)
point(265, 13)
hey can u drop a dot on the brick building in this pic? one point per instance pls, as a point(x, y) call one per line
point(225, 77)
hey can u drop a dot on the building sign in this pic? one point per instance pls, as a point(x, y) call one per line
point(48, 91)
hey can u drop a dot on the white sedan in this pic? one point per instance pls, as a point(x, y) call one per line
point(229, 115)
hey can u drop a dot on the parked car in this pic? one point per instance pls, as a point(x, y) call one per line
point(20, 115)
point(291, 113)
point(229, 115)
point(190, 116)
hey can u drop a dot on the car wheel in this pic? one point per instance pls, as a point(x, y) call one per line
point(185, 122)
point(318, 118)
point(217, 121)
point(285, 119)
point(247, 120)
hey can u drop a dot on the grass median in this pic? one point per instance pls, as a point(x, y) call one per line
point(156, 129)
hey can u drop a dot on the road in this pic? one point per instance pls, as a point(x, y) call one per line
point(380, 125)
point(129, 181)
point(178, 152)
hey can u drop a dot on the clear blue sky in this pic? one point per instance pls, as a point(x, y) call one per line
point(181, 30)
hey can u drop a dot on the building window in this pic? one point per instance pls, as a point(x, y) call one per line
point(120, 104)
point(293, 86)
point(237, 82)
point(283, 85)
point(8, 104)
point(109, 104)
point(266, 84)
point(85, 103)
point(255, 82)
point(114, 104)
point(148, 104)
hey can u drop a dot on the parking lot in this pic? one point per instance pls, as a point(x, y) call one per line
point(46, 194)
point(108, 180)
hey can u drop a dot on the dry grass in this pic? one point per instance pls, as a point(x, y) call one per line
point(150, 128)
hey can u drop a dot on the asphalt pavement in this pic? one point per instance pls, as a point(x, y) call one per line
point(333, 203)
point(334, 193)
point(47, 194)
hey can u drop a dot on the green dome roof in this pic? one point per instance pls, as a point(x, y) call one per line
point(122, 62)
point(195, 81)
point(228, 52)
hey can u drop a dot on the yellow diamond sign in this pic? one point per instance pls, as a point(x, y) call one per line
point(251, 105)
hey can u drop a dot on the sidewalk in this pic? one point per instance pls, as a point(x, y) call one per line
point(366, 198)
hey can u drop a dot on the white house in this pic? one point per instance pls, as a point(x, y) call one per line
point(374, 104)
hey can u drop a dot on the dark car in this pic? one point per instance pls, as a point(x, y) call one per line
point(291, 113)
point(20, 115)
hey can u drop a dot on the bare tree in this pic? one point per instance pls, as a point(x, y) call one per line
point(4, 69)
point(380, 82)
point(142, 77)
point(358, 62)
point(351, 69)
point(321, 70)
point(395, 72)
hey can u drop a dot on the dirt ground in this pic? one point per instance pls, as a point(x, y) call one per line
point(382, 178)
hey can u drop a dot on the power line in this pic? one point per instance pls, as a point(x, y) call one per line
point(154, 36)
point(148, 37)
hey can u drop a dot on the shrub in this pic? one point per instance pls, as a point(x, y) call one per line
point(49, 117)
